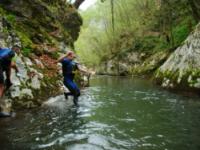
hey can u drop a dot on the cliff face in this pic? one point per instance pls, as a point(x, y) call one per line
point(42, 21)
point(44, 29)
point(182, 69)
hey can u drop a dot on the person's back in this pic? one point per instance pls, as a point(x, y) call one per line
point(6, 55)
point(68, 68)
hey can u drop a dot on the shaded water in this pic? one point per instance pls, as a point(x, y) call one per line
point(114, 113)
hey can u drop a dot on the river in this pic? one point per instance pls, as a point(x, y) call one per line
point(115, 113)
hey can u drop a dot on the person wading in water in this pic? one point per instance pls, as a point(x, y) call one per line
point(68, 68)
point(6, 63)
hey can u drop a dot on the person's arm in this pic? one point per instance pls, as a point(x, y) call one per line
point(84, 71)
point(61, 58)
point(14, 66)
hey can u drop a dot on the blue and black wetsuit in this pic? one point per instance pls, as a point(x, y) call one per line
point(6, 56)
point(68, 66)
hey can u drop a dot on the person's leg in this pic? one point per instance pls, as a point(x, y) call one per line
point(67, 94)
point(8, 76)
point(1, 90)
point(76, 93)
point(66, 82)
point(73, 88)
point(1, 82)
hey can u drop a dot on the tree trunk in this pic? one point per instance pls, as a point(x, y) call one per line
point(112, 13)
point(77, 3)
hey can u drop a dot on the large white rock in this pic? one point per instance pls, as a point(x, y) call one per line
point(22, 69)
point(184, 63)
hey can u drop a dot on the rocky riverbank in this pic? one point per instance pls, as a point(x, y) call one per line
point(134, 63)
point(44, 30)
point(178, 69)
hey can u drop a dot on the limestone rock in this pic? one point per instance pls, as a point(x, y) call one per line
point(183, 66)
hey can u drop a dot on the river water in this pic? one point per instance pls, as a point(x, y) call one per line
point(115, 113)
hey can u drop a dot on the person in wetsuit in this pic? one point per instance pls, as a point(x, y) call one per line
point(6, 56)
point(68, 68)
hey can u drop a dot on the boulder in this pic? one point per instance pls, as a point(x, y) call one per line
point(182, 68)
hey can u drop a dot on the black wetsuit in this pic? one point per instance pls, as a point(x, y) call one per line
point(6, 56)
point(68, 67)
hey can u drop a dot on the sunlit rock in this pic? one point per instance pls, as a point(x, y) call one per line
point(22, 69)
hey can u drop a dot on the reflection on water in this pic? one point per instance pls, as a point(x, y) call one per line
point(114, 113)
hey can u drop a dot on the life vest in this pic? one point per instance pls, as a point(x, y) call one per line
point(6, 54)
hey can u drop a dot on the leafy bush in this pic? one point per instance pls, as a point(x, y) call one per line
point(144, 26)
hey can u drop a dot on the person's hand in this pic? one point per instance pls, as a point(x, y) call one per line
point(89, 73)
point(92, 73)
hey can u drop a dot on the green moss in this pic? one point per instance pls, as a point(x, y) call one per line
point(2, 11)
point(26, 51)
point(26, 42)
point(174, 76)
point(11, 18)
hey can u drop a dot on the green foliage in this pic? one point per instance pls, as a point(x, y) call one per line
point(26, 42)
point(11, 18)
point(144, 26)
point(26, 51)
point(1, 10)
point(147, 43)
point(182, 30)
